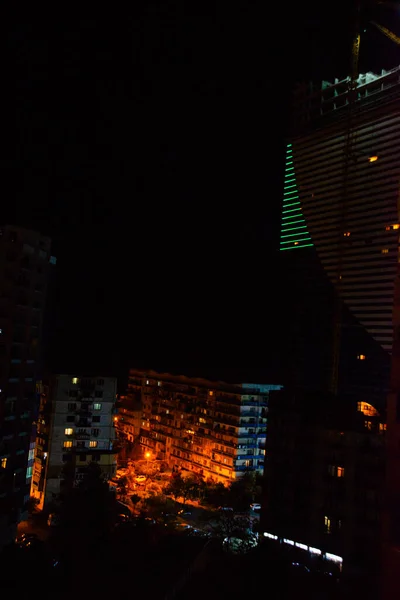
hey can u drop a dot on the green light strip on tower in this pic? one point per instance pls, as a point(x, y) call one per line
point(291, 210)
point(292, 216)
point(298, 246)
point(299, 240)
point(294, 221)
point(292, 204)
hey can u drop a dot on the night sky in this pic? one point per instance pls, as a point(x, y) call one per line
point(149, 146)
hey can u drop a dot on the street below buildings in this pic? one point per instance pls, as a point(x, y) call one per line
point(36, 524)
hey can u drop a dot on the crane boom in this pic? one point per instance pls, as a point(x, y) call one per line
point(392, 36)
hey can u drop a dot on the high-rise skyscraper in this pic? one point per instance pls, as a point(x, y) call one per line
point(339, 233)
point(24, 269)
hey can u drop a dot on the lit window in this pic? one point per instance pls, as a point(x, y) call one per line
point(97, 406)
point(368, 424)
point(290, 542)
point(333, 557)
point(301, 546)
point(385, 250)
point(75, 380)
point(201, 420)
point(382, 426)
point(327, 524)
point(3, 463)
point(93, 444)
point(1, 331)
point(340, 472)
point(159, 383)
point(361, 357)
point(396, 226)
point(147, 382)
point(270, 535)
point(211, 393)
point(388, 228)
point(68, 444)
point(69, 431)
point(373, 158)
point(296, 243)
point(347, 234)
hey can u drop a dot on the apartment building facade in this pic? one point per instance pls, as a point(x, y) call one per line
point(129, 418)
point(76, 425)
point(25, 267)
point(214, 429)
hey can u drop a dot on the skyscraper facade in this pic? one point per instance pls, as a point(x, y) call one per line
point(339, 233)
point(25, 261)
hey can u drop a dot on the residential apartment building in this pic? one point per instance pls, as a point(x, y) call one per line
point(324, 478)
point(76, 426)
point(214, 429)
point(25, 264)
point(129, 418)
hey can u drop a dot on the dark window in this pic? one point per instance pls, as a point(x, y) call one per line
point(83, 457)
point(80, 444)
point(95, 432)
point(96, 419)
point(100, 382)
point(67, 457)
point(72, 406)
point(73, 393)
point(70, 419)
point(95, 457)
point(98, 393)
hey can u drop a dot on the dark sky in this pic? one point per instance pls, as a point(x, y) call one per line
point(149, 147)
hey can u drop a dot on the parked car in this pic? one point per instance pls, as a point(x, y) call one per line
point(183, 526)
point(123, 518)
point(225, 508)
point(26, 539)
point(255, 506)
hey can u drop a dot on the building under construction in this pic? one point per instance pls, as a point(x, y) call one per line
point(339, 233)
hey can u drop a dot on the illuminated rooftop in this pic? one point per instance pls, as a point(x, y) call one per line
point(312, 101)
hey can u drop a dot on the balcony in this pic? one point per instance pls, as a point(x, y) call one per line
point(82, 436)
point(227, 420)
point(84, 422)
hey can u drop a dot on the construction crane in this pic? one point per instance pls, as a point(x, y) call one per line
point(349, 155)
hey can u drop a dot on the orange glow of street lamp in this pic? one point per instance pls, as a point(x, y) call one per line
point(147, 455)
